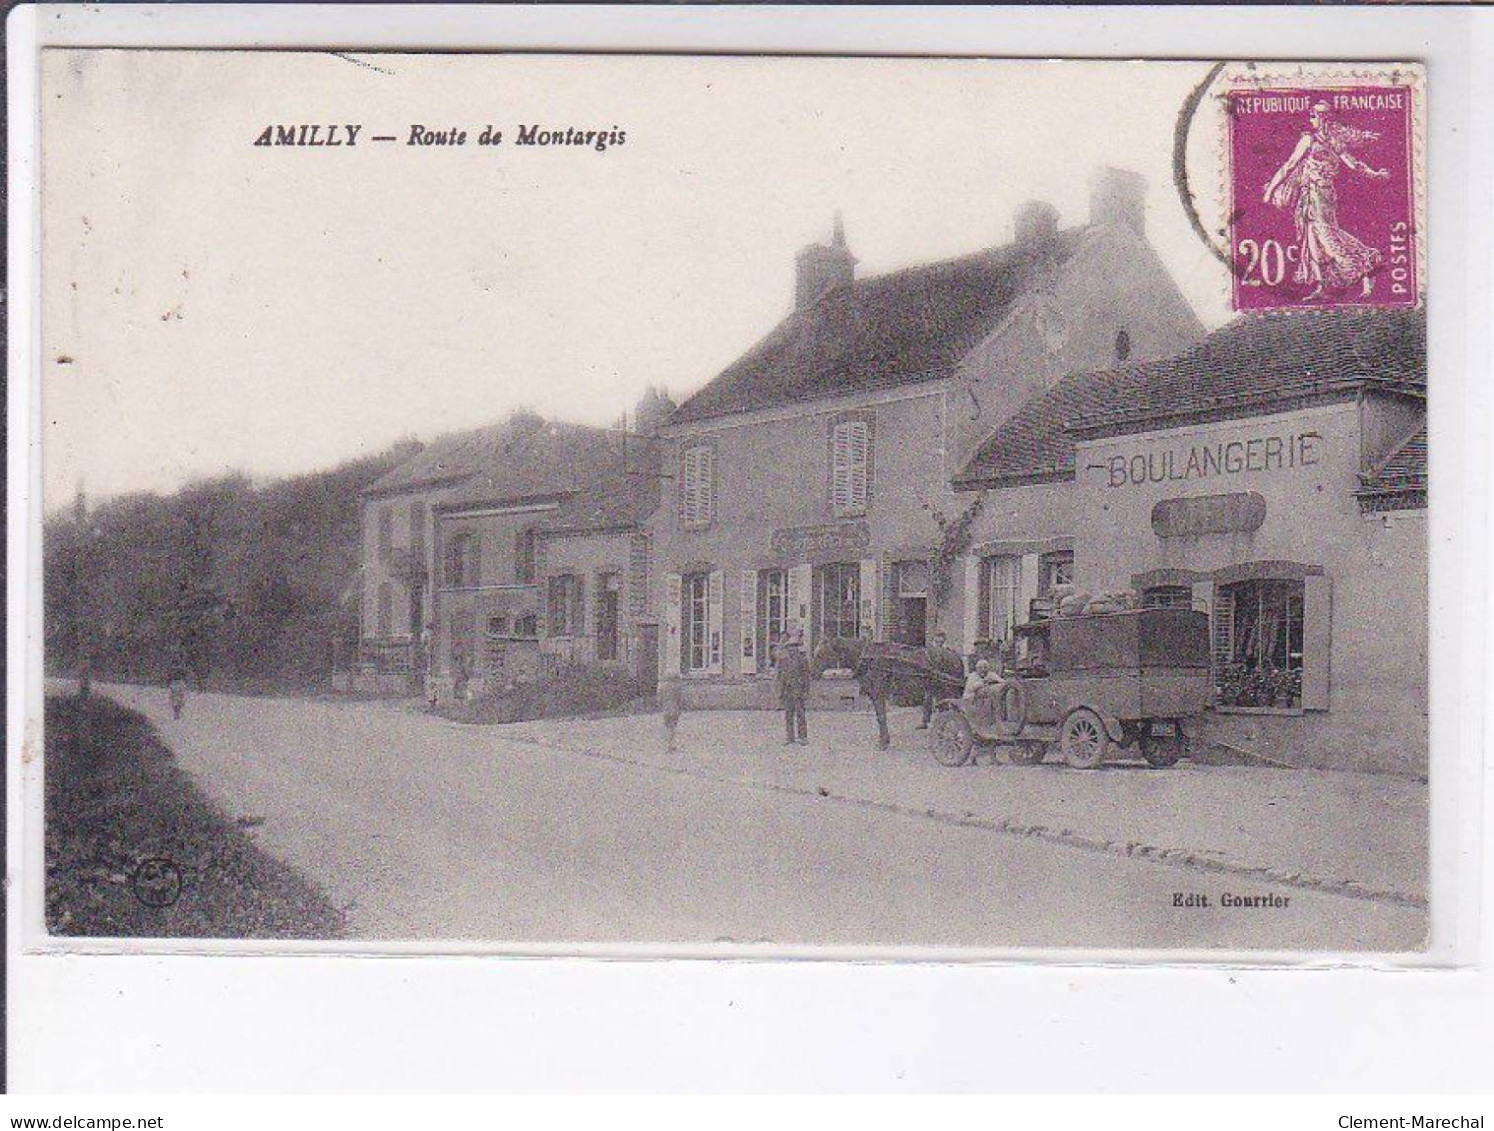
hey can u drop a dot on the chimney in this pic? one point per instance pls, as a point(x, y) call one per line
point(1036, 221)
point(1117, 198)
point(823, 268)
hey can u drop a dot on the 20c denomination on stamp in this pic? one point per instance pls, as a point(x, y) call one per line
point(1323, 188)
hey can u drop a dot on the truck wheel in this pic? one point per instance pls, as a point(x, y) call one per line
point(1162, 751)
point(1011, 708)
point(951, 739)
point(1028, 753)
point(1084, 741)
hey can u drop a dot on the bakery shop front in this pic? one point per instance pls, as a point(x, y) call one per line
point(1275, 477)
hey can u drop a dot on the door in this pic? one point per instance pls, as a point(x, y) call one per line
point(607, 598)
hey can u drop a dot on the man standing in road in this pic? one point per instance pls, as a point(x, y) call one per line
point(793, 687)
point(941, 660)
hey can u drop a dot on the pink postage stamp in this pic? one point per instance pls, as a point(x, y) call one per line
point(1322, 185)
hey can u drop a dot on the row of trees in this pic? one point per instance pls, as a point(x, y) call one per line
point(232, 586)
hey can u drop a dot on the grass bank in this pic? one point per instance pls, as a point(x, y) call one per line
point(134, 849)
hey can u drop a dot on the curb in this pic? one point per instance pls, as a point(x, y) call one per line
point(1067, 838)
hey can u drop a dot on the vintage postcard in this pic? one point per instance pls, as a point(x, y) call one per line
point(735, 504)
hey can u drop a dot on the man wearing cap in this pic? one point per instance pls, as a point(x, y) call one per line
point(793, 687)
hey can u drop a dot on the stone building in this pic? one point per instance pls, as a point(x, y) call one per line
point(460, 544)
point(1274, 476)
point(804, 484)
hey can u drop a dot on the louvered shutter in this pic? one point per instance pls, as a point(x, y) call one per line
point(578, 605)
point(671, 643)
point(715, 602)
point(748, 654)
point(1317, 641)
point(870, 605)
point(689, 476)
point(705, 487)
point(840, 469)
point(474, 560)
point(1222, 621)
point(856, 474)
point(974, 589)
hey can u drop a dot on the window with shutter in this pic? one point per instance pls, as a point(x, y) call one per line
point(697, 476)
point(849, 449)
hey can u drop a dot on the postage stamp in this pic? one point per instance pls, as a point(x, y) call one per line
point(1322, 196)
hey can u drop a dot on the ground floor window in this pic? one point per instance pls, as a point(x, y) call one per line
point(386, 609)
point(1258, 646)
point(695, 616)
point(839, 600)
point(1001, 579)
point(565, 605)
point(1054, 570)
point(1168, 597)
point(772, 612)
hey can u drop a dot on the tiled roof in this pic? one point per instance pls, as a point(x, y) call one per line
point(1405, 470)
point(599, 478)
point(879, 332)
point(1255, 364)
point(525, 455)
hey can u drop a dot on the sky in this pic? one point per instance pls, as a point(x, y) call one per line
point(212, 305)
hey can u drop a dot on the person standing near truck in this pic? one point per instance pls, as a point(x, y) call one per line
point(793, 687)
point(942, 660)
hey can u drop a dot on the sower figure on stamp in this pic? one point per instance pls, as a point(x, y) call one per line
point(874, 680)
point(941, 658)
point(793, 687)
point(1327, 254)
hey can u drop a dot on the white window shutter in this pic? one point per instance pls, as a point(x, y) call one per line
point(1317, 640)
point(672, 583)
point(1028, 570)
point(856, 476)
point(840, 469)
point(748, 653)
point(715, 602)
point(705, 490)
point(972, 603)
point(870, 605)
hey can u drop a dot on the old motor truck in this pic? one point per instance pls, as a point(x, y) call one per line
point(1091, 684)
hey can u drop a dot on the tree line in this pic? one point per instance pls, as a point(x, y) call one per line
point(229, 585)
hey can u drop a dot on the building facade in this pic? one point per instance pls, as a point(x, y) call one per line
point(808, 485)
point(1274, 477)
point(494, 550)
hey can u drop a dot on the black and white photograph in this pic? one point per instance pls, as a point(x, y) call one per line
point(734, 505)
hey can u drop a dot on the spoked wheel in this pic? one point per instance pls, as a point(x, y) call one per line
point(1028, 753)
point(1084, 741)
point(951, 739)
point(1163, 750)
